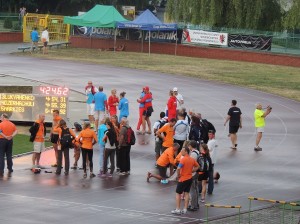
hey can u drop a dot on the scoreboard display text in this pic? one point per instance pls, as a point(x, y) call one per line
point(27, 102)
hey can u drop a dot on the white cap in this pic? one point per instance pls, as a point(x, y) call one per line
point(175, 89)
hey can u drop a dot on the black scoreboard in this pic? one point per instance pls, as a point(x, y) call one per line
point(25, 103)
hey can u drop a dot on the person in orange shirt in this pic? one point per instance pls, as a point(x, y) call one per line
point(87, 138)
point(166, 158)
point(64, 132)
point(54, 134)
point(7, 131)
point(38, 133)
point(166, 133)
point(113, 102)
point(186, 167)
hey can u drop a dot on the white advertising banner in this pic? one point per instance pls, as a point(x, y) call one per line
point(204, 37)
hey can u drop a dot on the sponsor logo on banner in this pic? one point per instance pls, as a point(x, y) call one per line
point(250, 42)
point(96, 32)
point(204, 37)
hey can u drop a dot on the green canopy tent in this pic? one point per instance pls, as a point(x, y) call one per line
point(101, 16)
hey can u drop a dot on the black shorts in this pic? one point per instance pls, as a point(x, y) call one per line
point(148, 112)
point(184, 186)
point(162, 171)
point(203, 176)
point(45, 44)
point(54, 138)
point(233, 129)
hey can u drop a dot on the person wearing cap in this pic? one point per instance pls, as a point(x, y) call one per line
point(141, 110)
point(7, 131)
point(148, 109)
point(178, 96)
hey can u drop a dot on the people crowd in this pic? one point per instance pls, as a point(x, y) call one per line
point(185, 143)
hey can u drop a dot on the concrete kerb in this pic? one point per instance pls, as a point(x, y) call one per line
point(29, 153)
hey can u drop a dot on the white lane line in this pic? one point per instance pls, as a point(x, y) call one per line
point(93, 205)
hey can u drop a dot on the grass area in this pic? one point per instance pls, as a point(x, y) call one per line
point(22, 144)
point(280, 80)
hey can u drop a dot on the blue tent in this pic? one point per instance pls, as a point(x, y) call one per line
point(148, 22)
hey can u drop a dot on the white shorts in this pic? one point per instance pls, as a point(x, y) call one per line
point(38, 147)
point(99, 115)
point(260, 129)
point(90, 109)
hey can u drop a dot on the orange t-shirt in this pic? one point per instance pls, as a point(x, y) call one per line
point(40, 137)
point(86, 137)
point(7, 128)
point(55, 124)
point(168, 142)
point(178, 158)
point(167, 157)
point(186, 165)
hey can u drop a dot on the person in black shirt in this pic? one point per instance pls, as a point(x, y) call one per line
point(234, 116)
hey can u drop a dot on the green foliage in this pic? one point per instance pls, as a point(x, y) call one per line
point(292, 19)
point(16, 27)
point(7, 23)
point(254, 14)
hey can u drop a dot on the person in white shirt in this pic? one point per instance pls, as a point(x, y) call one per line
point(45, 40)
point(212, 145)
point(179, 97)
point(181, 131)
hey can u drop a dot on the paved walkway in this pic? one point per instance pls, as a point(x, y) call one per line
point(45, 198)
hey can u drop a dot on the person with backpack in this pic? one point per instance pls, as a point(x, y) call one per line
point(194, 193)
point(204, 162)
point(110, 139)
point(205, 126)
point(87, 137)
point(158, 141)
point(195, 130)
point(116, 125)
point(37, 136)
point(65, 142)
point(125, 142)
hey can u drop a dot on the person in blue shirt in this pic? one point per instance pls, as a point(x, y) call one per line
point(101, 130)
point(34, 38)
point(90, 91)
point(123, 106)
point(101, 106)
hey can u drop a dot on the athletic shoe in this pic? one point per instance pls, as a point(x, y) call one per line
point(92, 175)
point(9, 174)
point(176, 212)
point(148, 176)
point(122, 173)
point(74, 168)
point(103, 175)
point(84, 175)
point(54, 165)
point(164, 181)
point(109, 175)
point(192, 209)
point(257, 148)
point(128, 173)
point(184, 211)
point(66, 173)
point(202, 200)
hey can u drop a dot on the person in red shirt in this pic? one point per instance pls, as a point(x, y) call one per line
point(186, 167)
point(172, 106)
point(148, 109)
point(7, 131)
point(113, 102)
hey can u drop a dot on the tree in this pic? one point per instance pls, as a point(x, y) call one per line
point(292, 19)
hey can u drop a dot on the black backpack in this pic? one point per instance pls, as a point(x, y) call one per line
point(66, 138)
point(195, 133)
point(203, 162)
